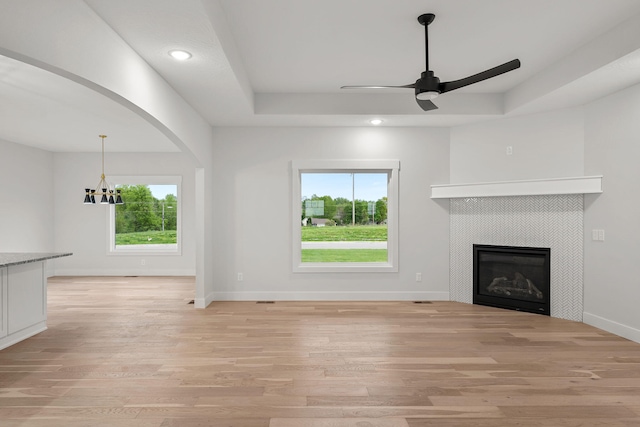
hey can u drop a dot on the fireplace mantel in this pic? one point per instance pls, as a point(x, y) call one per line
point(534, 187)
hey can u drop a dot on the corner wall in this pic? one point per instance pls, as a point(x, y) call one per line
point(600, 138)
point(612, 149)
point(546, 145)
point(252, 213)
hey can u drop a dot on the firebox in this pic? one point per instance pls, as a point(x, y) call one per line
point(512, 277)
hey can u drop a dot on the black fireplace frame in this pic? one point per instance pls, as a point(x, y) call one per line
point(542, 307)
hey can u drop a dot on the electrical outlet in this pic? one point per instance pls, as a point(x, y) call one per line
point(418, 277)
point(142, 262)
point(240, 277)
point(509, 150)
point(597, 235)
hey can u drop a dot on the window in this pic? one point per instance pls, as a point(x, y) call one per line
point(149, 221)
point(345, 216)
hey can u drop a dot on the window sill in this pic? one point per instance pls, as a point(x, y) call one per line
point(147, 250)
point(345, 267)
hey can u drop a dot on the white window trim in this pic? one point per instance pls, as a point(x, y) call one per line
point(144, 180)
point(346, 166)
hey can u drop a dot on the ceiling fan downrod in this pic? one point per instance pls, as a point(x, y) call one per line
point(426, 19)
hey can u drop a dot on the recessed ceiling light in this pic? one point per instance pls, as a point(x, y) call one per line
point(375, 122)
point(180, 55)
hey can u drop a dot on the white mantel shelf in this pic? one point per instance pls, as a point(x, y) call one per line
point(534, 187)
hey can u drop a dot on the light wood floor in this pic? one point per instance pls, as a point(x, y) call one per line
point(133, 352)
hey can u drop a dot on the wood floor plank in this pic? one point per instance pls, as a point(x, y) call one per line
point(520, 422)
point(340, 422)
point(132, 351)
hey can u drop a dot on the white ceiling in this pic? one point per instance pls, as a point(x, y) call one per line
point(282, 62)
point(44, 110)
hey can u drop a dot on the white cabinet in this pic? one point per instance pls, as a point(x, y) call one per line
point(27, 289)
point(3, 302)
point(23, 296)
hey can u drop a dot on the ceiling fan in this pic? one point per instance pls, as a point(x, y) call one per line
point(428, 86)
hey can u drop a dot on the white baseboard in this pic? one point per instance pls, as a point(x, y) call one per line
point(330, 296)
point(22, 335)
point(204, 302)
point(123, 272)
point(619, 329)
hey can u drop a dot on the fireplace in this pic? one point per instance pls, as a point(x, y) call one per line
point(512, 277)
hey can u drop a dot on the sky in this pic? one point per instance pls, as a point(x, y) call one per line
point(368, 186)
point(160, 191)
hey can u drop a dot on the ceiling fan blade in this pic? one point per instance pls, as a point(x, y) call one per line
point(426, 105)
point(409, 86)
point(492, 72)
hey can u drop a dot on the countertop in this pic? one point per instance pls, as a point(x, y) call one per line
point(15, 258)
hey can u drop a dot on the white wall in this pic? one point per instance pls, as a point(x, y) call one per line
point(96, 57)
point(546, 145)
point(82, 229)
point(612, 276)
point(26, 199)
point(600, 138)
point(252, 212)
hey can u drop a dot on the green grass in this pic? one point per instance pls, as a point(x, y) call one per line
point(142, 238)
point(357, 233)
point(344, 255)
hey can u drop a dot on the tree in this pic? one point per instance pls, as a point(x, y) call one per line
point(138, 213)
point(362, 212)
point(340, 216)
point(362, 216)
point(329, 207)
point(170, 212)
point(302, 211)
point(381, 210)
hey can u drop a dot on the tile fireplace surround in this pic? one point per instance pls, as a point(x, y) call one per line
point(551, 221)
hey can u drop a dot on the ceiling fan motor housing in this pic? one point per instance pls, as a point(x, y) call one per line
point(427, 86)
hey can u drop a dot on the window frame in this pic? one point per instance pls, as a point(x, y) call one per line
point(390, 167)
point(111, 223)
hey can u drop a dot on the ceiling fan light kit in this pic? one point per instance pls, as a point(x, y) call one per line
point(428, 86)
point(427, 95)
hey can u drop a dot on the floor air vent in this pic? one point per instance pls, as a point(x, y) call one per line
point(265, 302)
point(422, 302)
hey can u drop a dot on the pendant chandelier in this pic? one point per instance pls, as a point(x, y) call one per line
point(107, 194)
